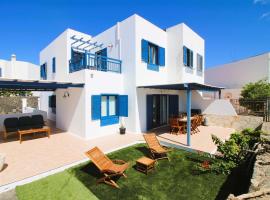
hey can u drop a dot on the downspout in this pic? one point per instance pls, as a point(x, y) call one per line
point(268, 77)
point(118, 40)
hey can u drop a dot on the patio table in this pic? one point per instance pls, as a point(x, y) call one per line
point(185, 119)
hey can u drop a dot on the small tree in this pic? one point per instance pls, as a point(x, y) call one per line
point(257, 90)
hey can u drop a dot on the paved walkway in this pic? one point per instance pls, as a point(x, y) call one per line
point(201, 141)
point(36, 156)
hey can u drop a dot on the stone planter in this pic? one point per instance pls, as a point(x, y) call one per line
point(2, 161)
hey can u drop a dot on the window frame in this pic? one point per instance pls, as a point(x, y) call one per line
point(108, 105)
point(199, 62)
point(189, 58)
point(150, 56)
point(53, 65)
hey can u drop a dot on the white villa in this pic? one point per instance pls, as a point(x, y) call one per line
point(133, 73)
point(238, 73)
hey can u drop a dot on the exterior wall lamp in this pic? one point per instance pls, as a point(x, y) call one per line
point(66, 94)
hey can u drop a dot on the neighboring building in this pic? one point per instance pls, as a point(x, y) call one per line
point(233, 76)
point(14, 69)
point(113, 66)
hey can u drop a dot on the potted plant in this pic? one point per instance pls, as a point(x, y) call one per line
point(122, 128)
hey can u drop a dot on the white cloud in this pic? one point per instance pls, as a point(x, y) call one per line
point(265, 15)
point(261, 2)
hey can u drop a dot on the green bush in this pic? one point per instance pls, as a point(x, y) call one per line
point(233, 151)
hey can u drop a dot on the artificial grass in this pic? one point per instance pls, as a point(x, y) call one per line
point(176, 179)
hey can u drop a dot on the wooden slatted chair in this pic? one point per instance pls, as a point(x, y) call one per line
point(195, 124)
point(109, 168)
point(157, 151)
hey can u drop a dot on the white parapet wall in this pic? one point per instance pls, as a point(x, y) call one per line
point(212, 106)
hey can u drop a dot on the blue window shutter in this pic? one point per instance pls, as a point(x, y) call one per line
point(53, 65)
point(191, 58)
point(123, 105)
point(185, 55)
point(144, 50)
point(96, 107)
point(161, 56)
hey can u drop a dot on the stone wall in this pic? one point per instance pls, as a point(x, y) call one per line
point(14, 104)
point(260, 180)
point(236, 122)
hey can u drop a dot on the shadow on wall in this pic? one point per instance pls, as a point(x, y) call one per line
point(70, 114)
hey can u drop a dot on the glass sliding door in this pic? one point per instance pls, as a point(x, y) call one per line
point(160, 110)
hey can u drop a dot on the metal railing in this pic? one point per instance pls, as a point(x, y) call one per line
point(95, 62)
point(256, 107)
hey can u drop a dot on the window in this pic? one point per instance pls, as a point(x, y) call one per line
point(0, 72)
point(152, 54)
point(188, 57)
point(199, 63)
point(43, 71)
point(108, 105)
point(53, 65)
point(101, 59)
point(108, 108)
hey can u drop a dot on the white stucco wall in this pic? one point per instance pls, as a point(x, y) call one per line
point(179, 36)
point(236, 74)
point(123, 41)
point(212, 106)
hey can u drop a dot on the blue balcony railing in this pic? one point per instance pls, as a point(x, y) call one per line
point(95, 62)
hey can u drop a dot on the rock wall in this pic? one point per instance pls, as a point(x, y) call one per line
point(236, 122)
point(14, 104)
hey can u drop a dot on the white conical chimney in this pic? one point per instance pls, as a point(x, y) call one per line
point(13, 57)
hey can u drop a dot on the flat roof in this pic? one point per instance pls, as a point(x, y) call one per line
point(184, 86)
point(35, 85)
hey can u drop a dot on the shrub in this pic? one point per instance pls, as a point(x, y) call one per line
point(233, 151)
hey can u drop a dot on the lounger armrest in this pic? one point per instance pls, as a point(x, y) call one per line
point(116, 161)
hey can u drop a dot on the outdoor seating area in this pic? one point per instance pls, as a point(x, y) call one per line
point(25, 125)
point(178, 124)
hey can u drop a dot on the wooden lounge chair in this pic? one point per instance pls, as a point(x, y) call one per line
point(157, 151)
point(108, 168)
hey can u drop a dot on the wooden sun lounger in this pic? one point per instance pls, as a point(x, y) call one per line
point(157, 151)
point(108, 168)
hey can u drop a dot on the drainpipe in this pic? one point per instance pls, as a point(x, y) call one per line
point(268, 78)
point(118, 40)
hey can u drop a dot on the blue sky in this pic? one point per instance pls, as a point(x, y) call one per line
point(232, 29)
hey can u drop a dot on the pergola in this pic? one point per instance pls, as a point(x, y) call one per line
point(35, 85)
point(188, 87)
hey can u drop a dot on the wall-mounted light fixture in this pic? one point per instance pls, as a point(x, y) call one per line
point(66, 94)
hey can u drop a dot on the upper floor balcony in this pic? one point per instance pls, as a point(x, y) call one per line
point(86, 60)
point(83, 56)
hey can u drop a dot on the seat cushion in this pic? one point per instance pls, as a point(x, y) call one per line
point(38, 121)
point(11, 124)
point(25, 123)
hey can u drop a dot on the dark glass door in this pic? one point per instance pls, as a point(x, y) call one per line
point(160, 110)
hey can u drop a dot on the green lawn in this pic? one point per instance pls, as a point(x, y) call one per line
point(176, 179)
